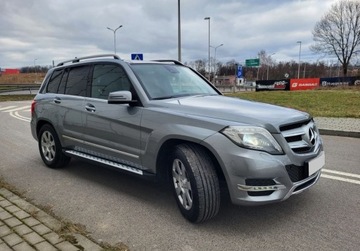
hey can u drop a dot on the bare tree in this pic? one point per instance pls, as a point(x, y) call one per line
point(265, 62)
point(200, 66)
point(338, 32)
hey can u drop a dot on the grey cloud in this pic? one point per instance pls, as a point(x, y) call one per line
point(56, 30)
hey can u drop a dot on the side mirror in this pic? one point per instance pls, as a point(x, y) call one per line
point(121, 97)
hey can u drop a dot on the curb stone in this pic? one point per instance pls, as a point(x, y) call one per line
point(26, 227)
point(344, 127)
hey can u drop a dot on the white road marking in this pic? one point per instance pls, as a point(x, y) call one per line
point(17, 109)
point(340, 179)
point(14, 112)
point(357, 176)
point(18, 116)
point(6, 108)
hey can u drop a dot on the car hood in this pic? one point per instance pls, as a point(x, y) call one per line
point(237, 111)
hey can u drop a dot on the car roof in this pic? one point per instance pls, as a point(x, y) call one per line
point(113, 58)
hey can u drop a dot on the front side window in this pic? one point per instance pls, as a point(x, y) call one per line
point(108, 78)
point(162, 81)
point(77, 80)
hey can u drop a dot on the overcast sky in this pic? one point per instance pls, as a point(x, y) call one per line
point(40, 31)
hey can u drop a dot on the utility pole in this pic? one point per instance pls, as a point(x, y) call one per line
point(208, 18)
point(179, 32)
point(299, 42)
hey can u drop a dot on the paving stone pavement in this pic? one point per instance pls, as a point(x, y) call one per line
point(24, 227)
point(347, 127)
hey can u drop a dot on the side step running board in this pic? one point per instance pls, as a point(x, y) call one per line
point(104, 161)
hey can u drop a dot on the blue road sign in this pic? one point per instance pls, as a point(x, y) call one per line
point(137, 56)
point(239, 71)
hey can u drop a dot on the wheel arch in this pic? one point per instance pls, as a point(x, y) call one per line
point(40, 124)
point(162, 160)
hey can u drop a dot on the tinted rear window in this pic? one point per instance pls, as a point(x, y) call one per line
point(77, 81)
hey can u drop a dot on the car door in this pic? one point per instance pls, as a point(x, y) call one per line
point(66, 105)
point(75, 91)
point(111, 131)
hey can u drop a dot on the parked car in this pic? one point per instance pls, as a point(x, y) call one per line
point(163, 120)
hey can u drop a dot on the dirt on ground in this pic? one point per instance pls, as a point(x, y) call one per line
point(21, 78)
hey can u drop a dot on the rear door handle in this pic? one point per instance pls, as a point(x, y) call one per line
point(90, 108)
point(57, 100)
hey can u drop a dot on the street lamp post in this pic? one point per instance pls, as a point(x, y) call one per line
point(208, 18)
point(179, 33)
point(299, 42)
point(35, 70)
point(114, 36)
point(215, 48)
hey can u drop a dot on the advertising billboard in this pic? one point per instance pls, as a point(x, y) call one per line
point(10, 71)
point(304, 84)
point(339, 81)
point(272, 85)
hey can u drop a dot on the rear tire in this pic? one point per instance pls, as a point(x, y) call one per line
point(195, 183)
point(50, 148)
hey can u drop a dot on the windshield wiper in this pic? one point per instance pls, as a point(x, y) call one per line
point(172, 96)
point(164, 97)
point(186, 94)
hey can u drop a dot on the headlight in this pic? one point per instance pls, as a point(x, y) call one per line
point(255, 138)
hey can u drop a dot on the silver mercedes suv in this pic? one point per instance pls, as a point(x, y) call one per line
point(163, 120)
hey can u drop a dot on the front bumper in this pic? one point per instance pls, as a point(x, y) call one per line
point(257, 178)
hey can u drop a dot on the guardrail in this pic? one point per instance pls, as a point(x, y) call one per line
point(19, 87)
point(232, 88)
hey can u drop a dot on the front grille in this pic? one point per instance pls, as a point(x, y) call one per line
point(301, 137)
point(260, 182)
point(297, 173)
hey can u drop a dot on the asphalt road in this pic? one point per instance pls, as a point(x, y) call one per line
point(116, 207)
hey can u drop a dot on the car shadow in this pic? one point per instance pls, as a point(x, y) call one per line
point(159, 197)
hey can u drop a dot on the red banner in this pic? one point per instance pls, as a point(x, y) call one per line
point(304, 84)
point(10, 71)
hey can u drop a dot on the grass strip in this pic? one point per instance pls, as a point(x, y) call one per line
point(319, 103)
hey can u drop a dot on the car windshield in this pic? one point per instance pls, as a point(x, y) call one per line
point(162, 81)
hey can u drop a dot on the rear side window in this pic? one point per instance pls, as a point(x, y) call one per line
point(63, 81)
point(54, 82)
point(108, 78)
point(77, 80)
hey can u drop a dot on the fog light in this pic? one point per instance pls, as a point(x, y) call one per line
point(260, 188)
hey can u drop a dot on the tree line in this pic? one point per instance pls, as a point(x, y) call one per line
point(269, 69)
point(35, 69)
point(336, 34)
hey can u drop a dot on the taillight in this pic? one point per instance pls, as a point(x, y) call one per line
point(33, 103)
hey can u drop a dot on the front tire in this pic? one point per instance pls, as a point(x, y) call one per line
point(50, 148)
point(195, 183)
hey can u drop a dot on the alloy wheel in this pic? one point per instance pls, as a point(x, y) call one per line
point(48, 146)
point(182, 184)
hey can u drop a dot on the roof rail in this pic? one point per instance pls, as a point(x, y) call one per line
point(76, 60)
point(170, 61)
